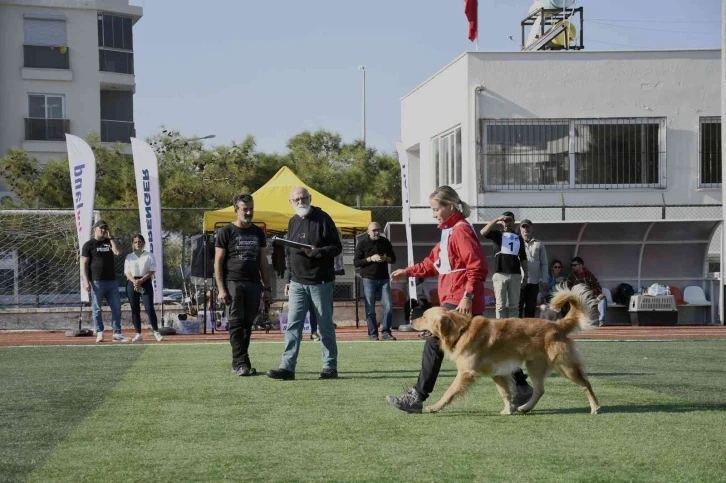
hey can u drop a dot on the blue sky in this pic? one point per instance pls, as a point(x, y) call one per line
point(273, 68)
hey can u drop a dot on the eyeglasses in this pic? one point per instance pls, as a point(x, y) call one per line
point(300, 200)
point(556, 266)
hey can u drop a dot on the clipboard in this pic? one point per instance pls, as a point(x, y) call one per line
point(290, 243)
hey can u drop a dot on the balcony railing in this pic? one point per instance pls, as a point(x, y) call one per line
point(117, 131)
point(44, 57)
point(40, 129)
point(118, 61)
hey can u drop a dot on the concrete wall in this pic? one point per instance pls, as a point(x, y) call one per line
point(678, 85)
point(438, 105)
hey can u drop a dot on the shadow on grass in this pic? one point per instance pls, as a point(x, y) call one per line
point(616, 409)
point(37, 407)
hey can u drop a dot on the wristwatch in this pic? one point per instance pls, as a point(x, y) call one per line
point(468, 295)
point(267, 289)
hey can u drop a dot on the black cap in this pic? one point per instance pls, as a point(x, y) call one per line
point(525, 222)
point(508, 213)
point(100, 223)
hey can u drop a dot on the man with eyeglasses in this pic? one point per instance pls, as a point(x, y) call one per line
point(581, 275)
point(311, 272)
point(373, 254)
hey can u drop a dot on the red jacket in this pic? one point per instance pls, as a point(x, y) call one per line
point(464, 252)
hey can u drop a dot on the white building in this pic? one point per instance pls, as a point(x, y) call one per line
point(518, 129)
point(66, 66)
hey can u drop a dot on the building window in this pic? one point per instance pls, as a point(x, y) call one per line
point(117, 116)
point(709, 152)
point(46, 118)
point(447, 158)
point(553, 154)
point(116, 45)
point(45, 43)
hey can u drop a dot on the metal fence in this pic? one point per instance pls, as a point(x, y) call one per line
point(39, 251)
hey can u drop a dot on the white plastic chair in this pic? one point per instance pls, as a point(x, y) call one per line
point(694, 295)
point(608, 295)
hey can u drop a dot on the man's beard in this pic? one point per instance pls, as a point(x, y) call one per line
point(302, 210)
point(375, 237)
point(246, 220)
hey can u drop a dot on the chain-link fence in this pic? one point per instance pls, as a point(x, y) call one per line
point(39, 262)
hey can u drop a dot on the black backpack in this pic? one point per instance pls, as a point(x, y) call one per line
point(623, 293)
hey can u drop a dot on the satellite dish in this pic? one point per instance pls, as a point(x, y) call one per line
point(571, 33)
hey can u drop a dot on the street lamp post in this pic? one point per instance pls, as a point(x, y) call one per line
point(362, 68)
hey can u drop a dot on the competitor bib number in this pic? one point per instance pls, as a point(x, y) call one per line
point(510, 244)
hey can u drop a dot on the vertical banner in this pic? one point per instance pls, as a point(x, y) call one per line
point(82, 167)
point(146, 169)
point(403, 162)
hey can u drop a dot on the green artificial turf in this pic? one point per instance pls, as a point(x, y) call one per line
point(169, 412)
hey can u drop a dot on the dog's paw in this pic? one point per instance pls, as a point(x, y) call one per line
point(595, 411)
point(433, 409)
point(523, 409)
point(506, 412)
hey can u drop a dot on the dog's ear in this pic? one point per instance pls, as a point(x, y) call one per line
point(446, 325)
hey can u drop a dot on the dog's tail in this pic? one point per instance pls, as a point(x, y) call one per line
point(582, 304)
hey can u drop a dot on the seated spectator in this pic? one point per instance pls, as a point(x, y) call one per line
point(581, 275)
point(557, 276)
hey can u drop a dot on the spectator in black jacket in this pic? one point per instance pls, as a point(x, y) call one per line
point(311, 274)
point(373, 254)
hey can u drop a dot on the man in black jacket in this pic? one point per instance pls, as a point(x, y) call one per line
point(373, 254)
point(310, 285)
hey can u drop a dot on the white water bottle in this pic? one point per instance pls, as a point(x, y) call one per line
point(667, 290)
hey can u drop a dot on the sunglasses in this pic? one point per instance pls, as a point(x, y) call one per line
point(556, 266)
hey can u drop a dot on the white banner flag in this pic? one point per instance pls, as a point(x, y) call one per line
point(82, 166)
point(146, 169)
point(403, 162)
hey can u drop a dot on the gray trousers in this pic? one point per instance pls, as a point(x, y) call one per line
point(507, 288)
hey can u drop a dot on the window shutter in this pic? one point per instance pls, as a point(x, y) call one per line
point(45, 31)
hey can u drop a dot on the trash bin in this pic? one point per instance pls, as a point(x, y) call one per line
point(653, 310)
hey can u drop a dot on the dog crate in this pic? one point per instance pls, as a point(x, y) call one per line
point(653, 310)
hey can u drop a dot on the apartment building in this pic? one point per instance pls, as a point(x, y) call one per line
point(66, 66)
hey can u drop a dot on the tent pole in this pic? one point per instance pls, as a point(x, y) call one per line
point(355, 281)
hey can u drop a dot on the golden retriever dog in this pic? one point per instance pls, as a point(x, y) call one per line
point(498, 347)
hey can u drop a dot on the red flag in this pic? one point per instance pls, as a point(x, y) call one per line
point(470, 9)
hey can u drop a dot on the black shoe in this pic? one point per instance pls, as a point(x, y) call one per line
point(281, 374)
point(410, 402)
point(373, 337)
point(328, 373)
point(244, 371)
point(522, 394)
point(388, 337)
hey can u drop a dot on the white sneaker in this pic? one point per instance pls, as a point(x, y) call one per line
point(99, 336)
point(119, 338)
point(158, 336)
point(137, 338)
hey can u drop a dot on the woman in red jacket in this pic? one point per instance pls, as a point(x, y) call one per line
point(459, 262)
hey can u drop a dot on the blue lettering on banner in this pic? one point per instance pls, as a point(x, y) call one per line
point(147, 209)
point(78, 195)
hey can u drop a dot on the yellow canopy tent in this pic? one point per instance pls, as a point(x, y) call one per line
point(272, 207)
